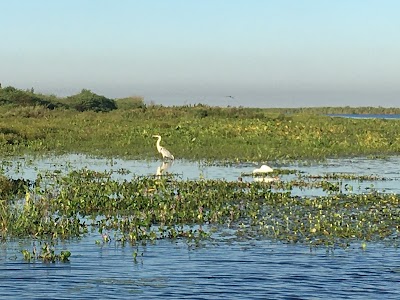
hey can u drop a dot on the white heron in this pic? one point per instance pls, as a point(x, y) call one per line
point(263, 169)
point(164, 152)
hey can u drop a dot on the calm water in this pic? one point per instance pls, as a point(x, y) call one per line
point(255, 269)
point(367, 116)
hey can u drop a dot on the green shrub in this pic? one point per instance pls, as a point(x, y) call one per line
point(87, 100)
point(132, 102)
point(13, 96)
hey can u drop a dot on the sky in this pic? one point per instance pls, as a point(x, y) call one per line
point(264, 53)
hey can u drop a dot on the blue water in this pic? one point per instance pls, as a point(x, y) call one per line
point(367, 116)
point(248, 269)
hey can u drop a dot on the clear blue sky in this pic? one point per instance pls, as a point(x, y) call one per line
point(277, 53)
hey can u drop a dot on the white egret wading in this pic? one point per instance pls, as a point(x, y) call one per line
point(263, 169)
point(164, 152)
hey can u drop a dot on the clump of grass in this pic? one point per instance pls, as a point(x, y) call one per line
point(27, 112)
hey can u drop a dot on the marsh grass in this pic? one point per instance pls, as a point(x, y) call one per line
point(230, 134)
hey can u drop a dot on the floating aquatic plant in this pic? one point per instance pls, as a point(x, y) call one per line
point(46, 254)
point(146, 209)
point(155, 208)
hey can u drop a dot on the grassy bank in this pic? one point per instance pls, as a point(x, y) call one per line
point(93, 124)
point(200, 132)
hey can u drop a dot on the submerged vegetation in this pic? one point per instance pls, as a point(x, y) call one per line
point(146, 209)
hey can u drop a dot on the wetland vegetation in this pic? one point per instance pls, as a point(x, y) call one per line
point(145, 209)
point(199, 132)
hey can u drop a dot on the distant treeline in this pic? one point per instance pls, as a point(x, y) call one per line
point(86, 100)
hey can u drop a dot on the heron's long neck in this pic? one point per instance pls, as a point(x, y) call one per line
point(158, 142)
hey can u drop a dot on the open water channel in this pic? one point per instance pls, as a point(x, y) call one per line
point(251, 269)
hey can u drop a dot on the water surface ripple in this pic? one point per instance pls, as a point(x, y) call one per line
point(254, 269)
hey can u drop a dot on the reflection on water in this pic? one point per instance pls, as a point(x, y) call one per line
point(165, 165)
point(389, 168)
point(367, 116)
point(266, 179)
point(250, 269)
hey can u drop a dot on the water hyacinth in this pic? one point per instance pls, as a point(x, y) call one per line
point(146, 209)
point(46, 254)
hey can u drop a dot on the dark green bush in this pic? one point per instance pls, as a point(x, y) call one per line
point(13, 96)
point(87, 100)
